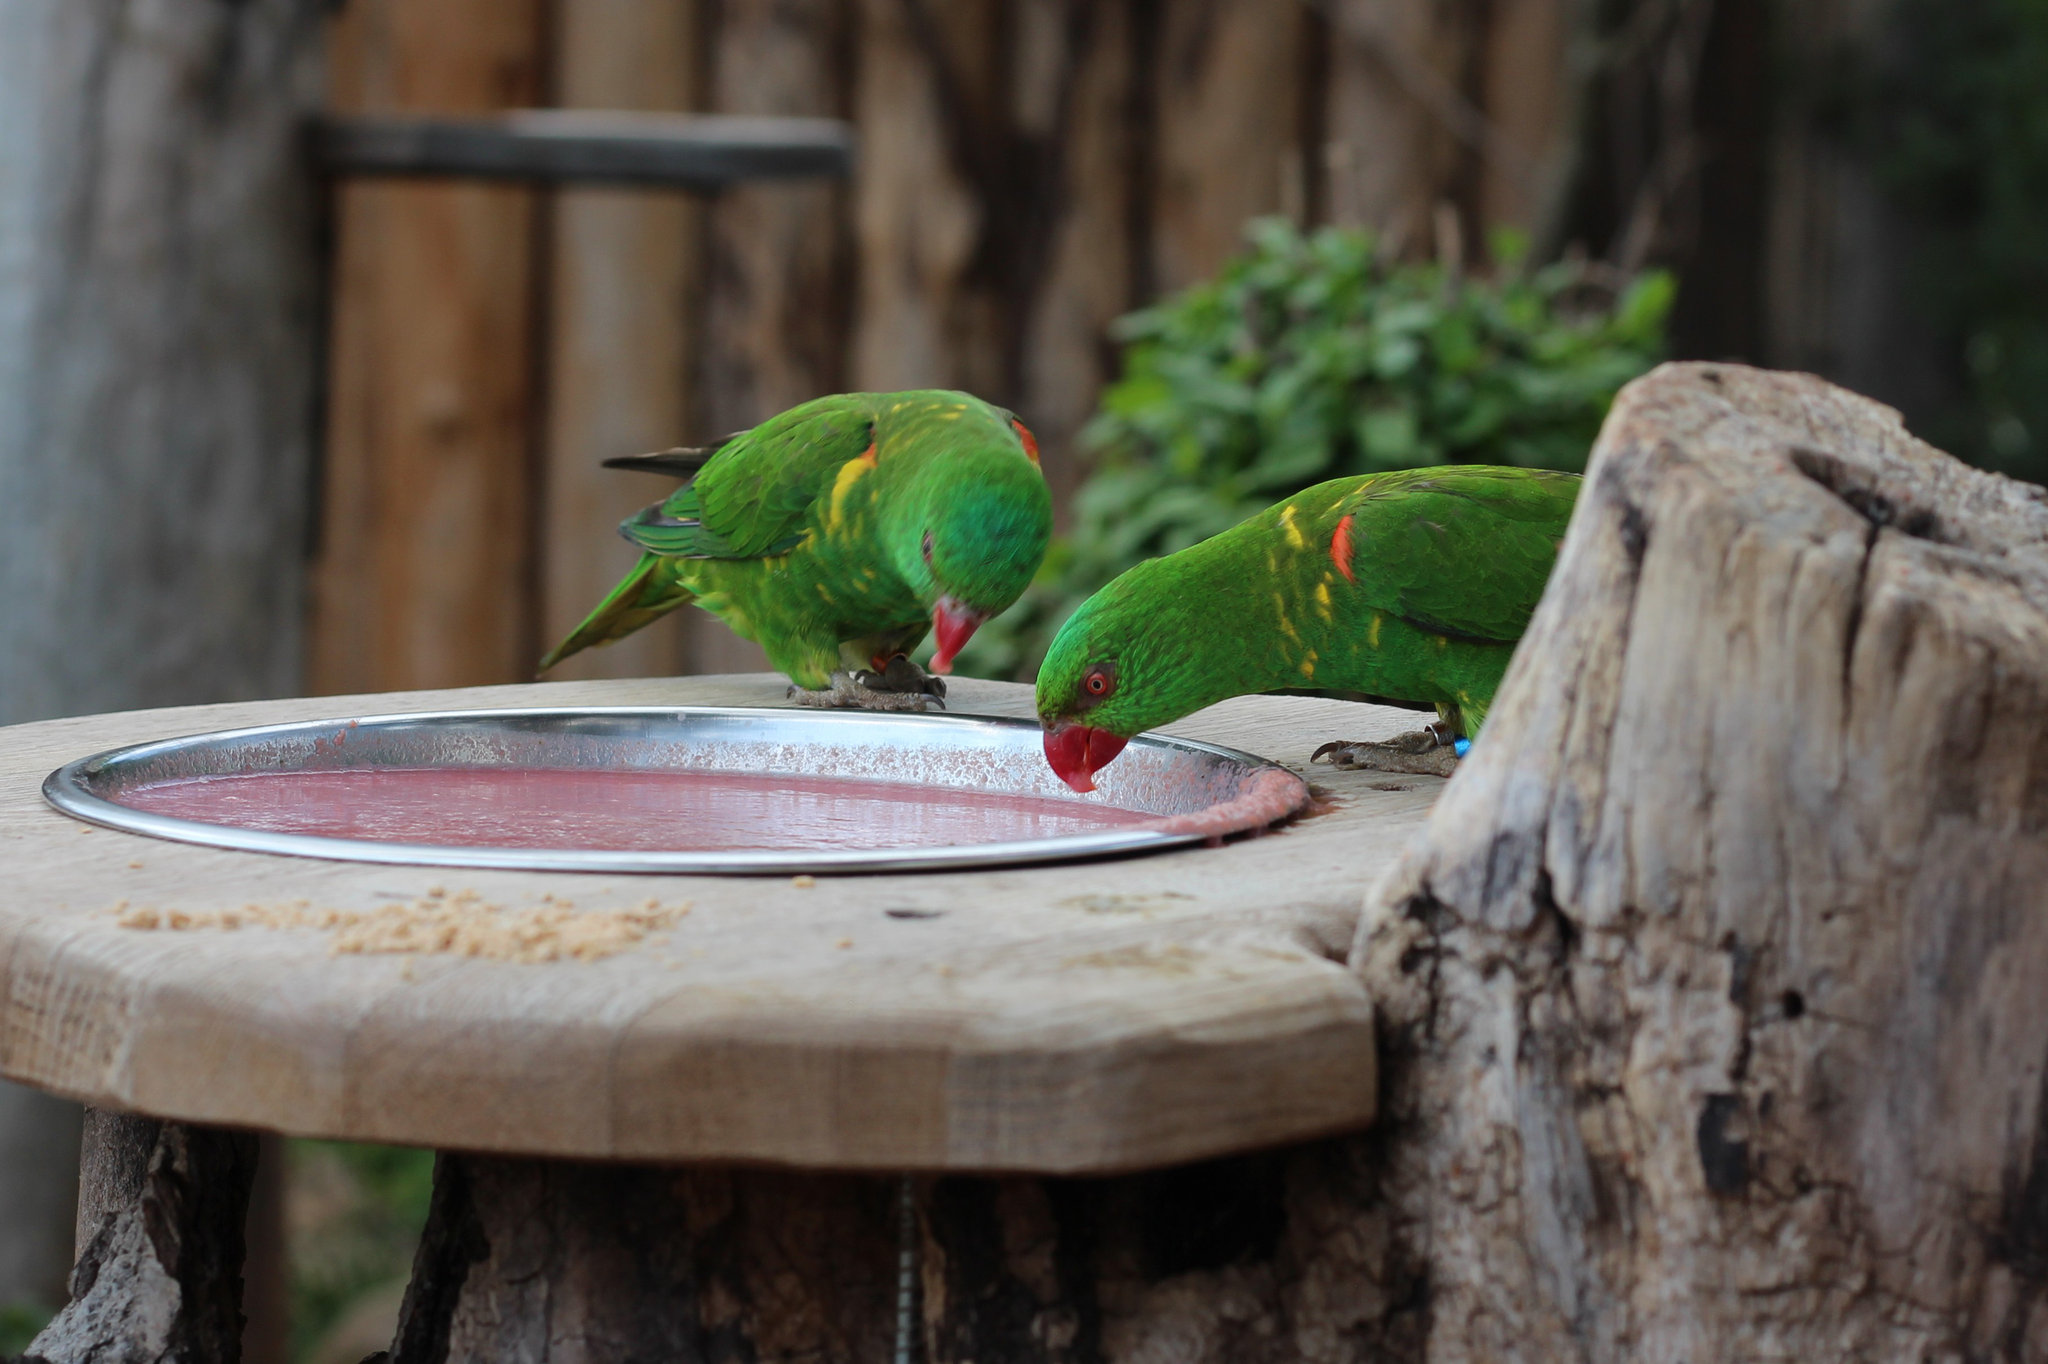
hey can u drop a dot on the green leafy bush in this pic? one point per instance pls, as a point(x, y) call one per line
point(1310, 358)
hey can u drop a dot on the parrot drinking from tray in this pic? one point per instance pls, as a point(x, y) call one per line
point(836, 534)
point(1408, 588)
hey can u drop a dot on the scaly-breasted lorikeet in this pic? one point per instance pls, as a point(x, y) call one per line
point(1408, 588)
point(836, 534)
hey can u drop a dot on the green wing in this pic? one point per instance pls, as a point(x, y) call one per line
point(1458, 550)
point(751, 497)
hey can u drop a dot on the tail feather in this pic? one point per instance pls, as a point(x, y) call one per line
point(649, 591)
point(684, 461)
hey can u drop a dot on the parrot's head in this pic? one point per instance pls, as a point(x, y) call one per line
point(970, 538)
point(1132, 658)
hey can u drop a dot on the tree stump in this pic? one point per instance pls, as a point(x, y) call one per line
point(159, 1274)
point(1706, 1000)
point(1711, 995)
point(576, 1263)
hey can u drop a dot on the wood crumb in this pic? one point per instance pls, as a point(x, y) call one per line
point(804, 882)
point(135, 866)
point(845, 943)
point(464, 926)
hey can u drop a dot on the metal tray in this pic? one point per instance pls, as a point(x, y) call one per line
point(1191, 791)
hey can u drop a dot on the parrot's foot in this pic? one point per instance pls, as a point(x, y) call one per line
point(1432, 751)
point(901, 686)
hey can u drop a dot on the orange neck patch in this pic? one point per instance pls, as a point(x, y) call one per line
point(1024, 434)
point(1340, 549)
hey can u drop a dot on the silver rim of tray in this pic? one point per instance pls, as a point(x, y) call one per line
point(71, 788)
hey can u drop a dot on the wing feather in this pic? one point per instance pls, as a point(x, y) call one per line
point(750, 497)
point(1462, 551)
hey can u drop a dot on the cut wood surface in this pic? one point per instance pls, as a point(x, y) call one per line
point(1092, 1016)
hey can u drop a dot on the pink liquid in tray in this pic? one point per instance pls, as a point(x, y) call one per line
point(638, 811)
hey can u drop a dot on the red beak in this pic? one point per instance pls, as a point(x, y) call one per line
point(1077, 753)
point(954, 625)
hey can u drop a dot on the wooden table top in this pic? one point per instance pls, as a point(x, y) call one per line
point(1089, 1017)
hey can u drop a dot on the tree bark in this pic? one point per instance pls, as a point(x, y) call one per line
point(776, 294)
point(1712, 992)
point(159, 1274)
point(571, 1263)
point(157, 277)
point(1231, 129)
point(559, 1261)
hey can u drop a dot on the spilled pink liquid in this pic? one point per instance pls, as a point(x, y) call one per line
point(634, 811)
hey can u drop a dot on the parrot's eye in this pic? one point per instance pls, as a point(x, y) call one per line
point(927, 547)
point(1099, 682)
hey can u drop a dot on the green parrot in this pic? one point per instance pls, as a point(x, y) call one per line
point(836, 534)
point(1407, 588)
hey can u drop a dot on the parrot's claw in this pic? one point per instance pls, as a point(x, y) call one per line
point(904, 676)
point(1432, 751)
point(902, 686)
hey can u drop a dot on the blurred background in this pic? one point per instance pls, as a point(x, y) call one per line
point(270, 424)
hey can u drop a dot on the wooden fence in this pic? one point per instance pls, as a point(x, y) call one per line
point(1029, 169)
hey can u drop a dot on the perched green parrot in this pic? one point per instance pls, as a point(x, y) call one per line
point(837, 534)
point(1406, 588)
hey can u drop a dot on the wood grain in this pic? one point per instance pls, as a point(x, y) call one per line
point(555, 1261)
point(776, 286)
point(1529, 96)
point(1713, 991)
point(423, 576)
point(1230, 129)
point(1091, 274)
point(1388, 159)
point(624, 278)
point(991, 215)
point(1090, 1016)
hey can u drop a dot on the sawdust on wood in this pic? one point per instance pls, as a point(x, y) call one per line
point(463, 924)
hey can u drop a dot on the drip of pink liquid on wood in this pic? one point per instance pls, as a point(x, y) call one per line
point(634, 811)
